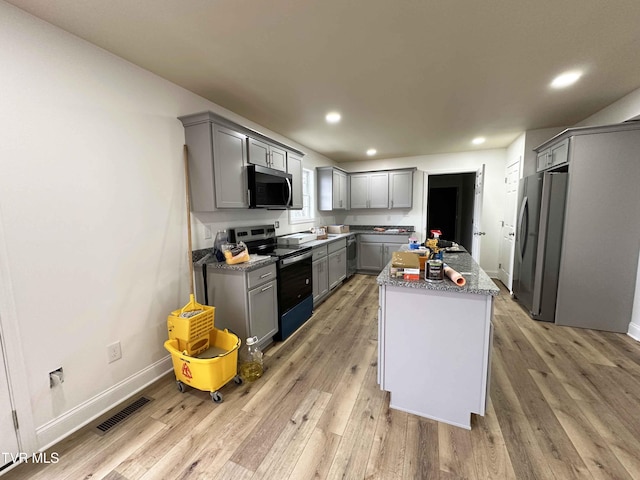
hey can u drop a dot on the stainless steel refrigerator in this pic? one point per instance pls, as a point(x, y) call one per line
point(541, 209)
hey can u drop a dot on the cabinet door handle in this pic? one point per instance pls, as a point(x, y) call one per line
point(266, 275)
point(391, 203)
point(266, 288)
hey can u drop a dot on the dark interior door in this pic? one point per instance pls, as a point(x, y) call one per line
point(442, 211)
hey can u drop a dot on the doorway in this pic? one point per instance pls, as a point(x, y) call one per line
point(450, 207)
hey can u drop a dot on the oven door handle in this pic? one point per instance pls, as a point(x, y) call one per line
point(297, 258)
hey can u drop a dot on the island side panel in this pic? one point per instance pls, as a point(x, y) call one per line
point(435, 352)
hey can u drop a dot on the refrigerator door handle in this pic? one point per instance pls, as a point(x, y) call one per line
point(523, 224)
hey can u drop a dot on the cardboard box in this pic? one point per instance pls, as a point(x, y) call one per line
point(405, 260)
point(338, 229)
point(412, 274)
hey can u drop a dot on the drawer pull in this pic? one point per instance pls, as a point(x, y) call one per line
point(266, 288)
point(266, 275)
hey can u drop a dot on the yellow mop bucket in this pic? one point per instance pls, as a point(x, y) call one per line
point(207, 374)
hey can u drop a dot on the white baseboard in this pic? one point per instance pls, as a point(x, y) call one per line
point(55, 430)
point(492, 274)
point(634, 331)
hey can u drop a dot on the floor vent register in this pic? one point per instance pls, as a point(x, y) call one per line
point(122, 415)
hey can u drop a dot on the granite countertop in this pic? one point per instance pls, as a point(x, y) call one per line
point(478, 281)
point(395, 230)
point(207, 257)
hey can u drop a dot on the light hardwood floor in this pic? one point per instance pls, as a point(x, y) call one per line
point(565, 404)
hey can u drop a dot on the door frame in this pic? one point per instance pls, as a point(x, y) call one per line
point(14, 355)
point(425, 194)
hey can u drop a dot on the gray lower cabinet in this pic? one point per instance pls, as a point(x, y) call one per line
point(246, 302)
point(337, 267)
point(375, 251)
point(320, 273)
point(337, 262)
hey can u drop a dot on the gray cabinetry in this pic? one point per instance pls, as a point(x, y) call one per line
point(217, 156)
point(218, 153)
point(375, 251)
point(401, 189)
point(369, 190)
point(596, 290)
point(320, 274)
point(266, 155)
point(332, 189)
point(229, 155)
point(337, 262)
point(246, 302)
point(553, 156)
point(294, 167)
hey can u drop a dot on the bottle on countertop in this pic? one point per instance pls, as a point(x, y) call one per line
point(251, 366)
point(221, 238)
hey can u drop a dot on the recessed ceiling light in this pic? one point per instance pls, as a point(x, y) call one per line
point(478, 140)
point(333, 117)
point(566, 79)
point(371, 152)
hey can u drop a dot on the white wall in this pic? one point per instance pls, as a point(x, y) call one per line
point(492, 210)
point(93, 221)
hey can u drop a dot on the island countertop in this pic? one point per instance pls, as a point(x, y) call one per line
point(478, 281)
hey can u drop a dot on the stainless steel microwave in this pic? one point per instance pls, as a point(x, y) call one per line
point(269, 188)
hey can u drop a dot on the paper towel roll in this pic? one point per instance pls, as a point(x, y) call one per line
point(454, 276)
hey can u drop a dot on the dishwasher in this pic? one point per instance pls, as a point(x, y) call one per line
point(352, 255)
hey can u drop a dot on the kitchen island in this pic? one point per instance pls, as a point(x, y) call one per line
point(434, 342)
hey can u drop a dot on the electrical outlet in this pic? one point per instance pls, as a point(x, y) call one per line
point(207, 232)
point(114, 352)
point(277, 224)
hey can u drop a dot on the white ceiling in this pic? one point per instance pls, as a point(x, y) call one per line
point(410, 77)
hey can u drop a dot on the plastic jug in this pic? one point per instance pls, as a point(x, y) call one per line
point(221, 238)
point(251, 367)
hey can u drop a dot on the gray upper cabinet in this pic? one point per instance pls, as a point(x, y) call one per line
point(266, 155)
point(553, 156)
point(339, 190)
point(384, 189)
point(294, 167)
point(217, 158)
point(218, 153)
point(229, 160)
point(332, 189)
point(369, 190)
point(401, 189)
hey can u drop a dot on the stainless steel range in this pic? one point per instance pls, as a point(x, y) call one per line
point(295, 289)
